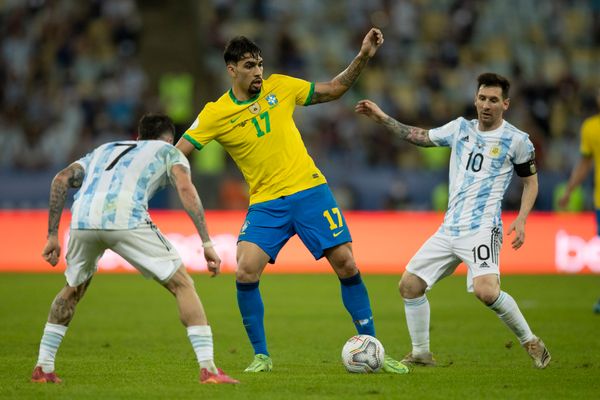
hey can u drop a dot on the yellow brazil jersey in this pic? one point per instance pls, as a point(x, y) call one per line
point(261, 137)
point(590, 147)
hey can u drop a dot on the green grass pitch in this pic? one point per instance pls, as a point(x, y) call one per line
point(126, 341)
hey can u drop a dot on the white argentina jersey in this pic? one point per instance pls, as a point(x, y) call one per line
point(120, 178)
point(481, 167)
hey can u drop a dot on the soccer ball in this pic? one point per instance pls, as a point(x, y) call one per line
point(363, 354)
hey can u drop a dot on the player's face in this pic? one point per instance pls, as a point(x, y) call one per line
point(247, 74)
point(490, 106)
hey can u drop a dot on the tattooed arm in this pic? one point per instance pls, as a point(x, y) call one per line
point(334, 89)
point(70, 177)
point(182, 180)
point(412, 134)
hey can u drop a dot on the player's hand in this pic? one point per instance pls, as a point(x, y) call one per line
point(518, 226)
point(563, 201)
point(213, 262)
point(371, 42)
point(51, 251)
point(370, 109)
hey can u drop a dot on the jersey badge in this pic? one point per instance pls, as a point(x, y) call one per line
point(254, 108)
point(272, 100)
point(495, 151)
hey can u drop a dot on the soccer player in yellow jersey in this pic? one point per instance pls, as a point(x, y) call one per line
point(590, 157)
point(254, 123)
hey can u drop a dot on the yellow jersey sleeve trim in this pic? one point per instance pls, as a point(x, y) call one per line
point(192, 141)
point(310, 94)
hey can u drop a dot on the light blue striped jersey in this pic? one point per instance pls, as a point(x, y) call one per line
point(481, 167)
point(120, 178)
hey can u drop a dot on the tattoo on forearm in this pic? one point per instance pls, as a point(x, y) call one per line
point(196, 213)
point(350, 74)
point(342, 82)
point(70, 177)
point(58, 195)
point(412, 134)
point(193, 206)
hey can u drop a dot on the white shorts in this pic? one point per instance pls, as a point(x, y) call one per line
point(441, 254)
point(145, 248)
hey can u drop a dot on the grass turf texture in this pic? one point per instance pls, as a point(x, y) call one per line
point(126, 341)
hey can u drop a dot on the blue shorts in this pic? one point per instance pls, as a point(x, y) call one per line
point(598, 222)
point(313, 214)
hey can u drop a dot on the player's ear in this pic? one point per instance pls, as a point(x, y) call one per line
point(505, 103)
point(231, 70)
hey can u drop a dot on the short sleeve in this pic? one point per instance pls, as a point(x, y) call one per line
point(85, 161)
point(444, 135)
point(586, 135)
point(524, 152)
point(202, 130)
point(301, 90)
point(173, 157)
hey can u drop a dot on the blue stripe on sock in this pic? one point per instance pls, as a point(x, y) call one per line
point(415, 302)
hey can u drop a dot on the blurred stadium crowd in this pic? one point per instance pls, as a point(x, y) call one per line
point(73, 77)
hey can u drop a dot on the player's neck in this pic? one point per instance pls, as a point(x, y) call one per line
point(241, 94)
point(492, 127)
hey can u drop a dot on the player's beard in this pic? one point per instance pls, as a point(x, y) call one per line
point(254, 90)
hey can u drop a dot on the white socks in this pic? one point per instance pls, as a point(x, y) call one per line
point(202, 341)
point(51, 340)
point(417, 318)
point(508, 311)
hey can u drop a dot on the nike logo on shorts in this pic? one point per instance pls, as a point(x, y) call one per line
point(336, 234)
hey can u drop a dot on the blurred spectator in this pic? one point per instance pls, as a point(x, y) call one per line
point(74, 65)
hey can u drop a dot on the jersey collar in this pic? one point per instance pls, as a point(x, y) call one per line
point(240, 102)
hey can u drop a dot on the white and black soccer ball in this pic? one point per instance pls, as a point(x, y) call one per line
point(363, 354)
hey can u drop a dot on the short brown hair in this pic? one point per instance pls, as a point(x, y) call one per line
point(151, 126)
point(492, 79)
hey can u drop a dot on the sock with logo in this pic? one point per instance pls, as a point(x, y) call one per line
point(417, 313)
point(51, 340)
point(356, 301)
point(253, 312)
point(507, 310)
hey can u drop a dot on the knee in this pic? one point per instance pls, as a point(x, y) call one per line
point(346, 267)
point(487, 294)
point(411, 286)
point(180, 281)
point(246, 273)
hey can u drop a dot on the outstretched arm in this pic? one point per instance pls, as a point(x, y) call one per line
point(581, 170)
point(70, 177)
point(530, 191)
point(185, 146)
point(181, 179)
point(334, 89)
point(412, 134)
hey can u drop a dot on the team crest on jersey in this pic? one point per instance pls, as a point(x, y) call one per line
point(254, 108)
point(272, 100)
point(495, 151)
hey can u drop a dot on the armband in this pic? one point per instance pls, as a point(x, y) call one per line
point(526, 169)
point(207, 244)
